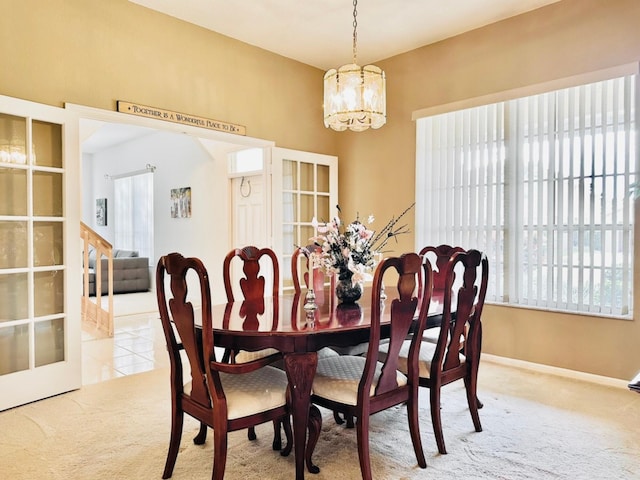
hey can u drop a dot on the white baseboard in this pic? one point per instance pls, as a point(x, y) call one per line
point(561, 372)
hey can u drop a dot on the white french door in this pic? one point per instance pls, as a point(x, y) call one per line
point(39, 245)
point(304, 185)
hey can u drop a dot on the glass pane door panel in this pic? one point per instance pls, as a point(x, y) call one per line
point(14, 301)
point(289, 239)
point(306, 176)
point(13, 139)
point(14, 349)
point(47, 194)
point(47, 144)
point(48, 293)
point(323, 179)
point(287, 279)
point(306, 232)
point(307, 210)
point(289, 207)
point(289, 175)
point(47, 244)
point(49, 341)
point(324, 208)
point(13, 191)
point(13, 245)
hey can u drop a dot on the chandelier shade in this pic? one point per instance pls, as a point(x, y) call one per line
point(355, 97)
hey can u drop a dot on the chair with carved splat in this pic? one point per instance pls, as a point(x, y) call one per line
point(456, 355)
point(258, 265)
point(319, 277)
point(438, 256)
point(219, 395)
point(361, 386)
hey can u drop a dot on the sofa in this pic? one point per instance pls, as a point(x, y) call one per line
point(130, 272)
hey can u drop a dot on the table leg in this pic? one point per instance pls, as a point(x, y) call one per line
point(300, 368)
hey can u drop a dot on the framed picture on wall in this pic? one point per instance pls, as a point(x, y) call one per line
point(101, 212)
point(181, 202)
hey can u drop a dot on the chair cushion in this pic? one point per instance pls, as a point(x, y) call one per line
point(254, 392)
point(427, 349)
point(337, 378)
point(244, 356)
point(431, 335)
point(327, 352)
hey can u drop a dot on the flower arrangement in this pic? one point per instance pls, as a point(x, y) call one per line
point(352, 251)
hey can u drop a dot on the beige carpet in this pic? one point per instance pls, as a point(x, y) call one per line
point(536, 426)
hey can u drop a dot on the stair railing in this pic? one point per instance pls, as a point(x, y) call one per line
point(94, 316)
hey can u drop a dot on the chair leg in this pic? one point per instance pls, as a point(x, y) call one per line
point(174, 442)
point(286, 424)
point(472, 400)
point(349, 419)
point(362, 431)
point(251, 433)
point(219, 452)
point(201, 437)
point(314, 427)
point(277, 436)
point(414, 429)
point(340, 421)
point(436, 419)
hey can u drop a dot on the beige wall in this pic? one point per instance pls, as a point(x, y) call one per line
point(94, 52)
point(564, 39)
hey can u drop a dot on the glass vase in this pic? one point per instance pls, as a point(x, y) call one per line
point(348, 292)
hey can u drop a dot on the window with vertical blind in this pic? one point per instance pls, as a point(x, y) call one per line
point(542, 184)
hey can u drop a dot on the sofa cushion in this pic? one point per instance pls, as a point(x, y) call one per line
point(117, 253)
point(130, 274)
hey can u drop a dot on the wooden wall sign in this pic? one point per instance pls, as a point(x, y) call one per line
point(182, 118)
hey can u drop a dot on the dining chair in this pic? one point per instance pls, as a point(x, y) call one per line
point(319, 277)
point(438, 256)
point(253, 286)
point(223, 396)
point(449, 359)
point(361, 386)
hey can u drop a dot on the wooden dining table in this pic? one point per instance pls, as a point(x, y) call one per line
point(299, 333)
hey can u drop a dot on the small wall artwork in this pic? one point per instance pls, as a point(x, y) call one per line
point(181, 202)
point(101, 212)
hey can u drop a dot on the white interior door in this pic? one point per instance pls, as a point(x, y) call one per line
point(39, 245)
point(250, 212)
point(251, 221)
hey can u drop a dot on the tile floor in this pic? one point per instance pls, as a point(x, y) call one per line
point(137, 346)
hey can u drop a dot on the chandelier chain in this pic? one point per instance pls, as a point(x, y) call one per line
point(355, 32)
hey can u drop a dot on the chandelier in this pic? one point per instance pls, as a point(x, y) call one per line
point(354, 97)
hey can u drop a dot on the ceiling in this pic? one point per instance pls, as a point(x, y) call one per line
point(320, 32)
point(97, 135)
